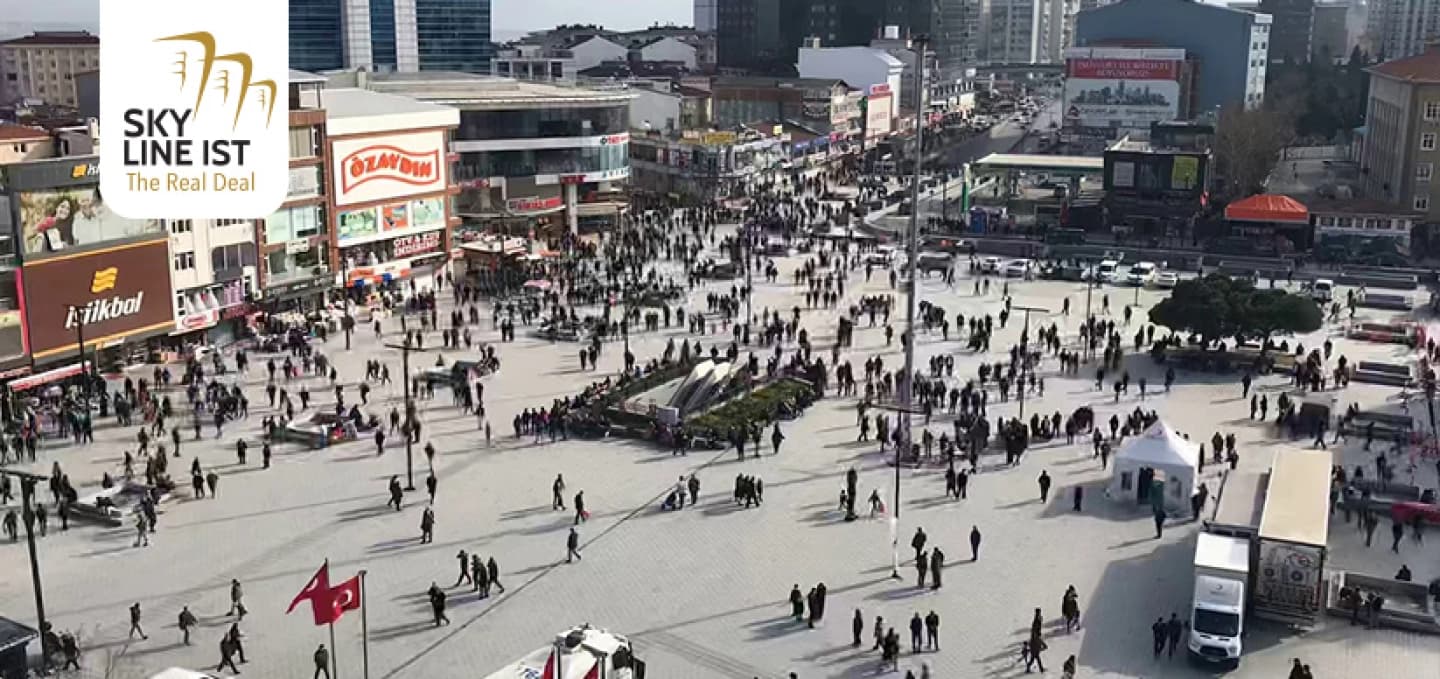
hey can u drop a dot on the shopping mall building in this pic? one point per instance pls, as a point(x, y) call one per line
point(530, 157)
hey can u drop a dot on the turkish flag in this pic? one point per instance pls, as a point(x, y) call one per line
point(317, 592)
point(344, 597)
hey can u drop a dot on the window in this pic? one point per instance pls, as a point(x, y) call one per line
point(184, 261)
point(1432, 110)
point(1422, 202)
point(1423, 171)
point(232, 257)
point(230, 222)
point(1427, 141)
point(180, 226)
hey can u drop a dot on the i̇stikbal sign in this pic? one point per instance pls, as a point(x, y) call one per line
point(196, 106)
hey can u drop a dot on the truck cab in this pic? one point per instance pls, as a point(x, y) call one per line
point(1217, 616)
point(581, 653)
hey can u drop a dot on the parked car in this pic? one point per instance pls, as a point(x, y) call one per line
point(934, 261)
point(1104, 272)
point(1322, 290)
point(1141, 274)
point(1020, 268)
point(991, 265)
point(1166, 279)
point(882, 256)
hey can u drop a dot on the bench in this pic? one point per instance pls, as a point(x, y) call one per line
point(1407, 606)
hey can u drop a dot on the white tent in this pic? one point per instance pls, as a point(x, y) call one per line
point(1163, 455)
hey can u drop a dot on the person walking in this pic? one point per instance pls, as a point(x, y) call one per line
point(1044, 482)
point(918, 542)
point(135, 622)
point(1158, 636)
point(235, 644)
point(427, 525)
point(322, 662)
point(857, 626)
point(1036, 647)
point(917, 630)
point(437, 604)
point(572, 545)
point(581, 515)
point(932, 631)
point(237, 600)
point(937, 563)
point(227, 649)
point(974, 543)
point(557, 490)
point(464, 560)
point(1174, 629)
point(492, 569)
point(186, 622)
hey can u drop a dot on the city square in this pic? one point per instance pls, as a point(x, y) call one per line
point(700, 591)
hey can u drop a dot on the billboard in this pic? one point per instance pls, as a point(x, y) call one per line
point(374, 168)
point(1121, 88)
point(60, 219)
point(389, 220)
point(115, 293)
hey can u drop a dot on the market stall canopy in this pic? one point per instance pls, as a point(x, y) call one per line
point(1268, 207)
point(47, 377)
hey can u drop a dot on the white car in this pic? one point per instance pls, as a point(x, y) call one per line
point(1141, 274)
point(882, 256)
point(1166, 279)
point(991, 265)
point(1104, 272)
point(1020, 268)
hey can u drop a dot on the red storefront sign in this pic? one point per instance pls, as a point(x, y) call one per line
point(1124, 69)
point(418, 244)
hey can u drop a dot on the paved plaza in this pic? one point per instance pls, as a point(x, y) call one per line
point(701, 591)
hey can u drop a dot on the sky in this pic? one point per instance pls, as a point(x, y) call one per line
point(509, 18)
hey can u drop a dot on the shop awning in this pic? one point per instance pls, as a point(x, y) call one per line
point(1268, 207)
point(603, 208)
point(42, 379)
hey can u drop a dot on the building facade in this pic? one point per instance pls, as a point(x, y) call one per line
point(862, 68)
point(295, 241)
point(822, 105)
point(73, 269)
point(1330, 38)
point(1292, 23)
point(1402, 28)
point(43, 65)
point(391, 35)
point(1401, 148)
point(1016, 31)
point(1230, 46)
point(530, 155)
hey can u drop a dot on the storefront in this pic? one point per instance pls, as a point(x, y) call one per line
point(392, 208)
point(113, 298)
point(53, 213)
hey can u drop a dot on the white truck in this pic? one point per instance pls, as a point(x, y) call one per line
point(582, 652)
point(1217, 616)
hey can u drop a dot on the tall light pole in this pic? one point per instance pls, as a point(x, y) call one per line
point(907, 387)
point(78, 311)
point(27, 503)
point(1025, 348)
point(410, 414)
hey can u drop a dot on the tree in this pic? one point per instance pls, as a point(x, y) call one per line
point(1267, 312)
point(1247, 147)
point(1200, 306)
point(1218, 306)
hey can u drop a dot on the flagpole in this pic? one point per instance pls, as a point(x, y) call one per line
point(364, 630)
point(334, 654)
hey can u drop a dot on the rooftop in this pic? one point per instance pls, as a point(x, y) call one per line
point(351, 110)
point(1421, 68)
point(767, 81)
point(467, 90)
point(1353, 206)
point(56, 38)
point(10, 132)
point(304, 77)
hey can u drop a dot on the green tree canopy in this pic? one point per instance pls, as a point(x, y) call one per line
point(1218, 306)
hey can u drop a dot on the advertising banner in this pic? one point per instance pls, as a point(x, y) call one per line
point(358, 224)
point(116, 293)
point(427, 212)
point(418, 244)
point(56, 220)
point(395, 217)
point(1128, 88)
point(391, 166)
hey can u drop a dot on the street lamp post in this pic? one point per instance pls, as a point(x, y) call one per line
point(405, 350)
point(27, 502)
point(907, 387)
point(1024, 349)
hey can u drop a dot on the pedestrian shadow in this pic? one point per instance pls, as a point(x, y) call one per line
point(932, 501)
point(1094, 504)
point(108, 551)
point(131, 651)
point(392, 545)
point(402, 630)
point(362, 513)
point(1019, 504)
point(901, 593)
point(526, 512)
point(775, 627)
point(724, 508)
